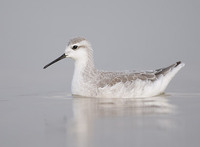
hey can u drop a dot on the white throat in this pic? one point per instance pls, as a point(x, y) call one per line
point(83, 66)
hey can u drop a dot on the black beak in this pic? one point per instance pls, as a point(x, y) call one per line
point(58, 59)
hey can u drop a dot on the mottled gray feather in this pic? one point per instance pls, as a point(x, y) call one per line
point(111, 78)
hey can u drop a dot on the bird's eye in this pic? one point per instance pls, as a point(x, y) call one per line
point(74, 47)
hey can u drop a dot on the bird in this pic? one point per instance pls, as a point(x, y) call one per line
point(88, 81)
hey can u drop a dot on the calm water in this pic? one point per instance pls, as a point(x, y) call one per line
point(39, 120)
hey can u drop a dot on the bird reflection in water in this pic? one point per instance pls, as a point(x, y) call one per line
point(87, 112)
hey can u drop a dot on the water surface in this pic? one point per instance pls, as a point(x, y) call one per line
point(55, 119)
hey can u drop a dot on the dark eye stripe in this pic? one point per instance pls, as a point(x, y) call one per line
point(74, 47)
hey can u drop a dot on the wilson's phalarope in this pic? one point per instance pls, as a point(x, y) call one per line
point(90, 82)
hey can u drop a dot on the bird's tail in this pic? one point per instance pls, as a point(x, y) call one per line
point(164, 71)
point(169, 72)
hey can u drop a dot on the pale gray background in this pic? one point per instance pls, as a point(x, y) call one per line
point(124, 34)
point(35, 104)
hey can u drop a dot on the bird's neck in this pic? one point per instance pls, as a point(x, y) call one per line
point(84, 65)
point(84, 69)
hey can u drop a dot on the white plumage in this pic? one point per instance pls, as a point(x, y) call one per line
point(91, 82)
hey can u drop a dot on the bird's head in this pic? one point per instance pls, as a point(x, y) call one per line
point(77, 49)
